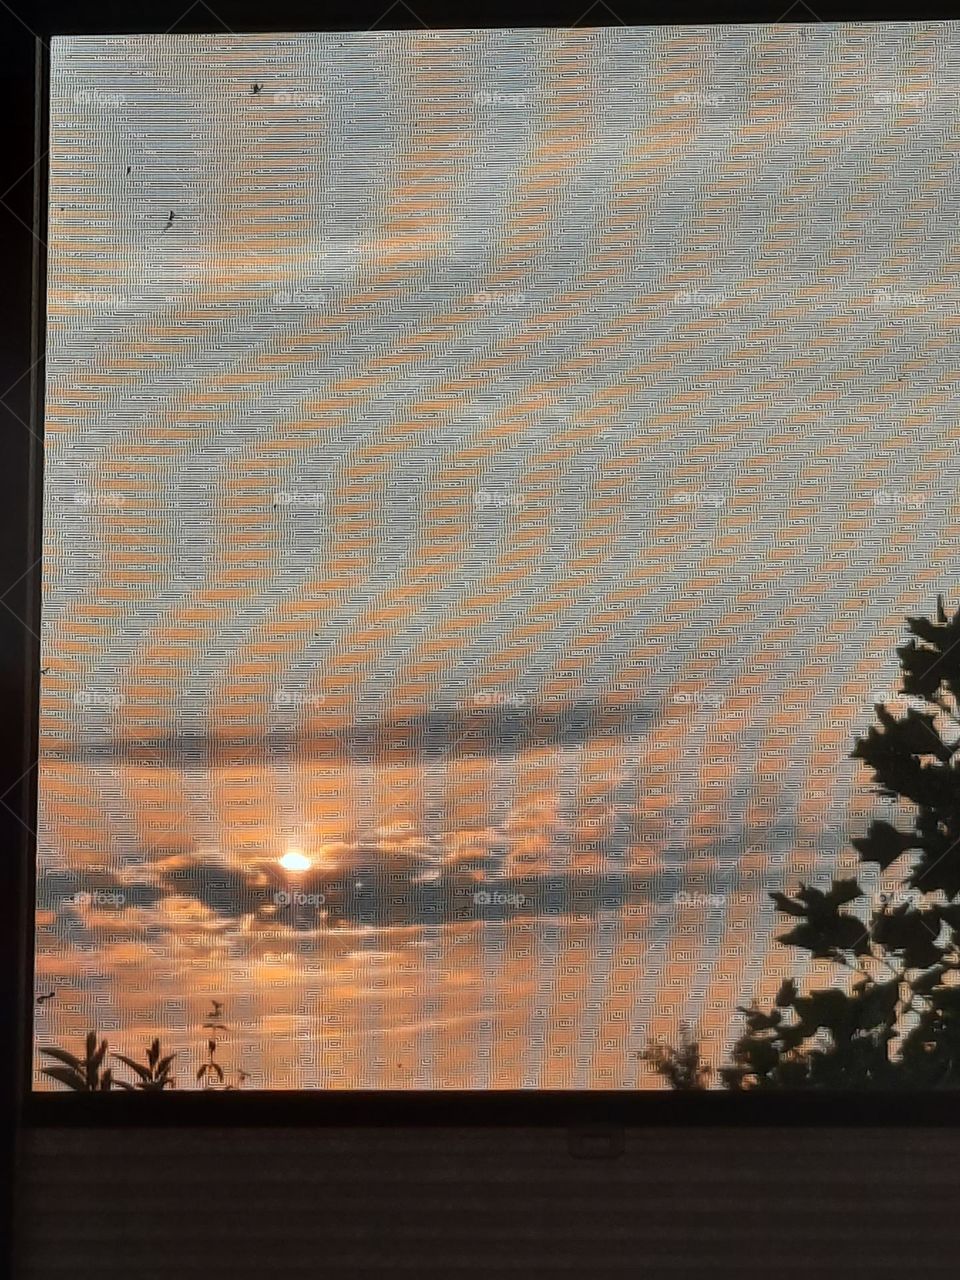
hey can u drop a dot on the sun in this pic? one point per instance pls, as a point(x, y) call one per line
point(294, 860)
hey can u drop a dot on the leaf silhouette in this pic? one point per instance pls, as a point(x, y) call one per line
point(828, 937)
point(924, 983)
point(66, 1076)
point(788, 906)
point(911, 933)
point(921, 669)
point(878, 1003)
point(883, 844)
point(62, 1056)
point(787, 994)
point(141, 1071)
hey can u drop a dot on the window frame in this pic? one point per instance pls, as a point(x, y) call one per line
point(26, 62)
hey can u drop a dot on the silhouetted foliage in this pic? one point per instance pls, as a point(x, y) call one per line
point(155, 1076)
point(897, 1025)
point(681, 1066)
point(85, 1075)
point(211, 1068)
point(207, 1070)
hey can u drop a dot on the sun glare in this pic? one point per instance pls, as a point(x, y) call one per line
point(294, 860)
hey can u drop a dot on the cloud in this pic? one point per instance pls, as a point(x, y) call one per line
point(394, 893)
point(441, 733)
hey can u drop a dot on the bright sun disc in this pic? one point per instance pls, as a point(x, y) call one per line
point(295, 861)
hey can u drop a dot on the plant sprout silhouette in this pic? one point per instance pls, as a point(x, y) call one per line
point(84, 1075)
point(211, 1067)
point(155, 1076)
point(213, 1022)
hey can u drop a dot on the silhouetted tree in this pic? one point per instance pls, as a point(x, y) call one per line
point(897, 1024)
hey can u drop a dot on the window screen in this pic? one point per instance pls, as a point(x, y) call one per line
point(488, 474)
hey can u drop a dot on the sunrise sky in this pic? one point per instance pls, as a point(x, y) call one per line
point(477, 524)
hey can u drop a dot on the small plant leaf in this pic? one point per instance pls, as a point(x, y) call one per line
point(787, 994)
point(62, 1056)
point(141, 1071)
point(72, 1079)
